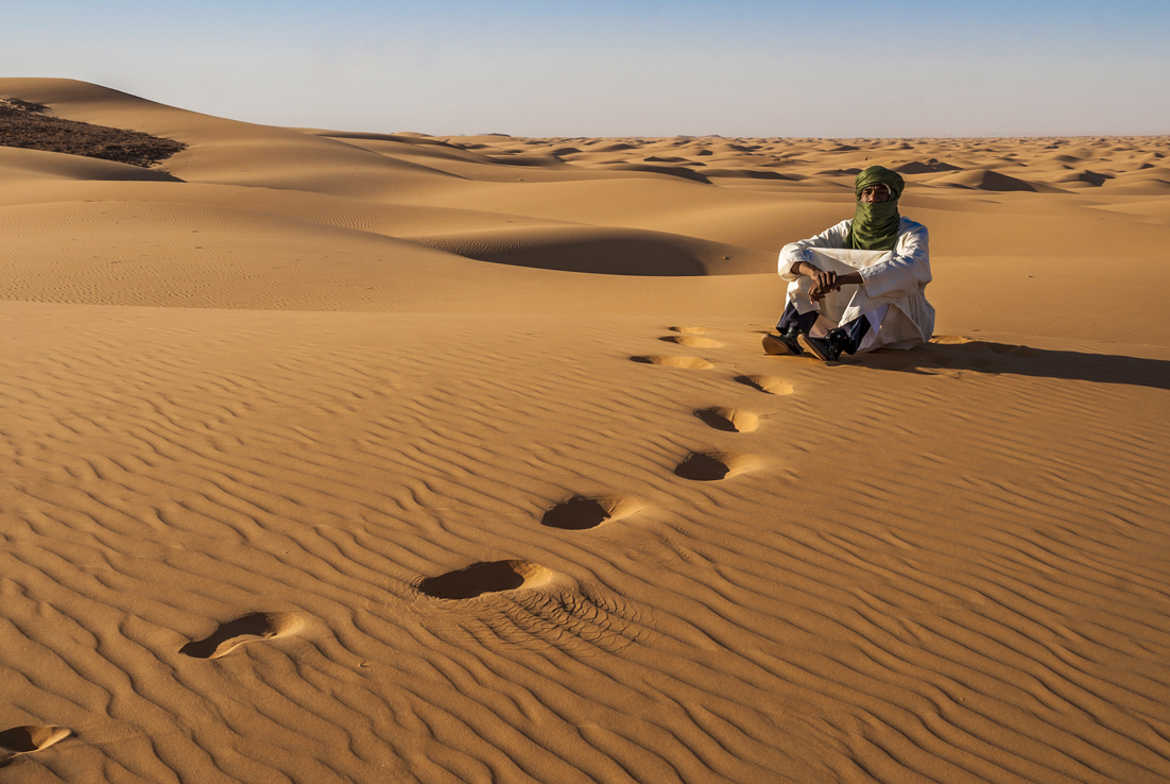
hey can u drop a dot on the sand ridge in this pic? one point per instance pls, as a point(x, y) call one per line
point(330, 463)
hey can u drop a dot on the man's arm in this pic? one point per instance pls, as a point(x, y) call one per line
point(797, 252)
point(906, 271)
point(824, 281)
point(843, 278)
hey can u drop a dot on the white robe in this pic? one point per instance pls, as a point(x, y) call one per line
point(891, 292)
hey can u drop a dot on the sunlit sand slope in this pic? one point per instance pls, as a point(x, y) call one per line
point(220, 526)
point(385, 457)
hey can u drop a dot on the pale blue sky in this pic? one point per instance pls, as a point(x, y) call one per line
point(737, 67)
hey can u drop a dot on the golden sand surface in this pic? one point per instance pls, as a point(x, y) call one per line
point(336, 456)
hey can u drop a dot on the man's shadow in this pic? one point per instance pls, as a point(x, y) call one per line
point(988, 357)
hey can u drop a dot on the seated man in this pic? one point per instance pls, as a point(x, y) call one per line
point(881, 301)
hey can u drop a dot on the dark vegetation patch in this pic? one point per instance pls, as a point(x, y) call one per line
point(26, 124)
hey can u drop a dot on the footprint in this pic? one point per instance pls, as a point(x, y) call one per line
point(249, 628)
point(712, 466)
point(689, 330)
point(773, 385)
point(486, 577)
point(690, 363)
point(692, 341)
point(734, 419)
point(25, 740)
point(582, 512)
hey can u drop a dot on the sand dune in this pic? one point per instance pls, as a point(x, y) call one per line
point(355, 456)
point(35, 165)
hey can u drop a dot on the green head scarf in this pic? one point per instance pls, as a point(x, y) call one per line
point(875, 226)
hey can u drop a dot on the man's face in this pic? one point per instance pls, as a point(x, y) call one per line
point(875, 193)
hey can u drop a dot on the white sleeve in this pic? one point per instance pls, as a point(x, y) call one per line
point(832, 237)
point(906, 271)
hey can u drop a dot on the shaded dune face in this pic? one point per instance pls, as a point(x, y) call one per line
point(924, 167)
point(604, 251)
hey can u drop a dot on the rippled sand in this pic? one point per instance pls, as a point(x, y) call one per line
point(390, 457)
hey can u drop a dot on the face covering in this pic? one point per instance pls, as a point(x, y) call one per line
point(875, 226)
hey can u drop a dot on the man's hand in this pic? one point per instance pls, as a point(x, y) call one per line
point(822, 283)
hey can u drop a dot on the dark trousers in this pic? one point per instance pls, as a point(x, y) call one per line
point(854, 331)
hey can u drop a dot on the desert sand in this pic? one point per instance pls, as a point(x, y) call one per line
point(376, 457)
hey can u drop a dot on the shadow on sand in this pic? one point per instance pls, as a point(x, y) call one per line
point(987, 357)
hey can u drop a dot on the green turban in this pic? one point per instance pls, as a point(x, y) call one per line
point(875, 226)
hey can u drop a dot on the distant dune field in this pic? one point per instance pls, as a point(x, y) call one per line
point(346, 456)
